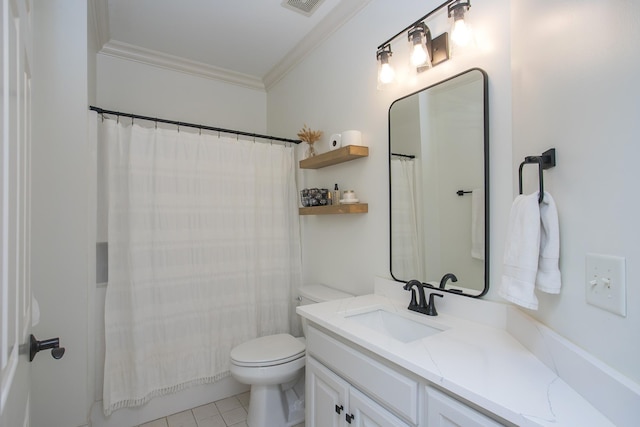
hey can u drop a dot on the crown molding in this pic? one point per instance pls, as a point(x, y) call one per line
point(151, 57)
point(340, 15)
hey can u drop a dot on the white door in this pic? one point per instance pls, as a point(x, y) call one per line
point(15, 214)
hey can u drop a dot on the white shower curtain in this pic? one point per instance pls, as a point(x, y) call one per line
point(406, 261)
point(204, 253)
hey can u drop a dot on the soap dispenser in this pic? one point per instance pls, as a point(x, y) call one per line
point(336, 195)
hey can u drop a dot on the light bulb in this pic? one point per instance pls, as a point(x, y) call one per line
point(386, 74)
point(419, 55)
point(461, 33)
point(419, 38)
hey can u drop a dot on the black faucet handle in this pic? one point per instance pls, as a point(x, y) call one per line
point(431, 307)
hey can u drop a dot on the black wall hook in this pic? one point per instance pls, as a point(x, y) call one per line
point(545, 161)
point(52, 343)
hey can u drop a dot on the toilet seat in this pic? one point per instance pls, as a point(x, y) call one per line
point(269, 350)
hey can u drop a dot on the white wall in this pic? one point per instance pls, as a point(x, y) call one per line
point(574, 65)
point(334, 89)
point(575, 87)
point(60, 210)
point(134, 87)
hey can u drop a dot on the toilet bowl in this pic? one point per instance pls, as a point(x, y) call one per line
point(274, 367)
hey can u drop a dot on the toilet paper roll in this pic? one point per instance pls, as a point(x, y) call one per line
point(351, 137)
point(335, 141)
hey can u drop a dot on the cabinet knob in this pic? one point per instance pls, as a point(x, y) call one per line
point(339, 409)
point(349, 417)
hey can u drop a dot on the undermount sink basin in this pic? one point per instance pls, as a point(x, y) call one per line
point(393, 325)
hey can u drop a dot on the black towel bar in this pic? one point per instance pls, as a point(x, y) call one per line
point(545, 161)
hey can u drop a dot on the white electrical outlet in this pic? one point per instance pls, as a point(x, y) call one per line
point(606, 283)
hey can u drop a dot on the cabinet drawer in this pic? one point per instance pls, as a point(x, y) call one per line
point(445, 411)
point(387, 386)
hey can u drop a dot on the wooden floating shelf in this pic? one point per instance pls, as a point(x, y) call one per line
point(341, 155)
point(354, 208)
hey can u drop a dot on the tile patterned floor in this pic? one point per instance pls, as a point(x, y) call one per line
point(230, 412)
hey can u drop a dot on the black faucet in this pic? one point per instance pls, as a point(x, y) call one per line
point(423, 307)
point(446, 277)
point(431, 307)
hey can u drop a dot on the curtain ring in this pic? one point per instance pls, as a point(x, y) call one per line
point(131, 120)
point(200, 131)
point(156, 123)
point(218, 134)
point(118, 119)
point(102, 115)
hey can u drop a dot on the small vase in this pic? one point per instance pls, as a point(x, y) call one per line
point(310, 150)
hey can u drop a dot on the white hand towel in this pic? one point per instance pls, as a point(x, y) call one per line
point(522, 248)
point(548, 277)
point(477, 224)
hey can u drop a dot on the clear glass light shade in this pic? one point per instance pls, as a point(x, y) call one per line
point(386, 73)
point(419, 53)
point(461, 33)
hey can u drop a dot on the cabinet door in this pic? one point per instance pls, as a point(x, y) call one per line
point(445, 411)
point(326, 396)
point(367, 413)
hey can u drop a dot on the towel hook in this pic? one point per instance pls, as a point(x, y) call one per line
point(545, 161)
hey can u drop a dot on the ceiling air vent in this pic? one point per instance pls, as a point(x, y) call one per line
point(305, 7)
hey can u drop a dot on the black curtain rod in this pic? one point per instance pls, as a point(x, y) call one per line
point(191, 125)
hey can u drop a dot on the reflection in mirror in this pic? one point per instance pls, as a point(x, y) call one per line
point(439, 186)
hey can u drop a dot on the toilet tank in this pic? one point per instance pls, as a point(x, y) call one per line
point(312, 294)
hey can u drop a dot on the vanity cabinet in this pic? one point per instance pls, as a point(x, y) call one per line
point(348, 386)
point(333, 402)
point(373, 392)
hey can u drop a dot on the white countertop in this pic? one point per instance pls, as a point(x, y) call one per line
point(482, 364)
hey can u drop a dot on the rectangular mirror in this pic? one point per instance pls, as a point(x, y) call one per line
point(439, 185)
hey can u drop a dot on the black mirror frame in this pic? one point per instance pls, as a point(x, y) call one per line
point(485, 79)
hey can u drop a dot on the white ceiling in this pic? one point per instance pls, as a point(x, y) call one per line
point(247, 42)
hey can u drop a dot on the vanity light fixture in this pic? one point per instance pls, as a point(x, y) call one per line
point(386, 73)
point(426, 52)
point(461, 33)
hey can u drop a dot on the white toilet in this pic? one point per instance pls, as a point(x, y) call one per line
point(274, 367)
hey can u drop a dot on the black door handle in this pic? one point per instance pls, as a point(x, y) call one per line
point(52, 343)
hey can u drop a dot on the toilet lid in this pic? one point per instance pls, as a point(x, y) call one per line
point(268, 350)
